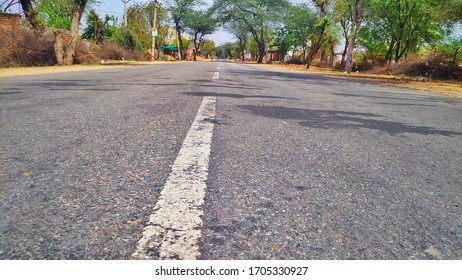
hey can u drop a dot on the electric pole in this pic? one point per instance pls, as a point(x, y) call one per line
point(154, 30)
point(125, 11)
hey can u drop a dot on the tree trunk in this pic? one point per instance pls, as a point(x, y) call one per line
point(196, 47)
point(65, 53)
point(388, 56)
point(261, 51)
point(344, 53)
point(30, 14)
point(180, 43)
point(398, 46)
point(317, 45)
point(313, 51)
point(454, 59)
point(356, 24)
point(60, 46)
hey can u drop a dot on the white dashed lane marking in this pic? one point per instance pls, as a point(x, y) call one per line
point(175, 224)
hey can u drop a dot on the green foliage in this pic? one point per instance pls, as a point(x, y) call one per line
point(98, 29)
point(209, 47)
point(137, 35)
point(56, 14)
point(126, 38)
point(199, 24)
point(260, 17)
point(405, 26)
point(184, 42)
point(228, 50)
point(452, 49)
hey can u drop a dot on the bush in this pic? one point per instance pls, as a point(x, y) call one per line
point(127, 39)
point(26, 48)
point(435, 70)
point(296, 61)
point(115, 52)
point(85, 53)
point(322, 64)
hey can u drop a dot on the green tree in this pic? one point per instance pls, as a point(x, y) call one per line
point(300, 21)
point(318, 35)
point(350, 14)
point(200, 24)
point(405, 26)
point(228, 50)
point(452, 49)
point(98, 29)
point(136, 36)
point(240, 31)
point(283, 39)
point(260, 16)
point(178, 10)
point(208, 46)
point(56, 14)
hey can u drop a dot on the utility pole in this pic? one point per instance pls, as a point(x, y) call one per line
point(125, 11)
point(154, 31)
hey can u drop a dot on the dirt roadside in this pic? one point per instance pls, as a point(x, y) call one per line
point(24, 71)
point(447, 88)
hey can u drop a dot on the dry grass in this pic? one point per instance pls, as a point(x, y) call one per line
point(448, 88)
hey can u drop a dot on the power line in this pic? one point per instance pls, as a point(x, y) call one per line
point(110, 12)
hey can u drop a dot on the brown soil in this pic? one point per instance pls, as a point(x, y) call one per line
point(448, 88)
point(22, 71)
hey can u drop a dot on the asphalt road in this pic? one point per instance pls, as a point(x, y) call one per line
point(300, 167)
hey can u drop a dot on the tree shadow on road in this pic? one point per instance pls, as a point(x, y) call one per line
point(234, 95)
point(326, 119)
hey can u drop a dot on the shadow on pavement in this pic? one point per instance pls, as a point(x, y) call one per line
point(327, 119)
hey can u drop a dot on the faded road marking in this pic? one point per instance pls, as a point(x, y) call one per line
point(175, 224)
point(216, 75)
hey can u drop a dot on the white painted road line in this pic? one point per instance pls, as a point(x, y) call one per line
point(175, 224)
point(216, 75)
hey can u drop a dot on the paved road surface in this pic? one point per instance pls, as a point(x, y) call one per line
point(298, 167)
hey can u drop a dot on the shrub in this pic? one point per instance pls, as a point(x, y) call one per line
point(435, 70)
point(127, 39)
point(26, 48)
point(295, 60)
point(114, 52)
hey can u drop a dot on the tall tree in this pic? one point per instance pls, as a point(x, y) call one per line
point(178, 10)
point(240, 31)
point(356, 11)
point(208, 46)
point(64, 47)
point(300, 21)
point(406, 25)
point(318, 37)
point(98, 29)
point(258, 15)
point(66, 56)
point(200, 24)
